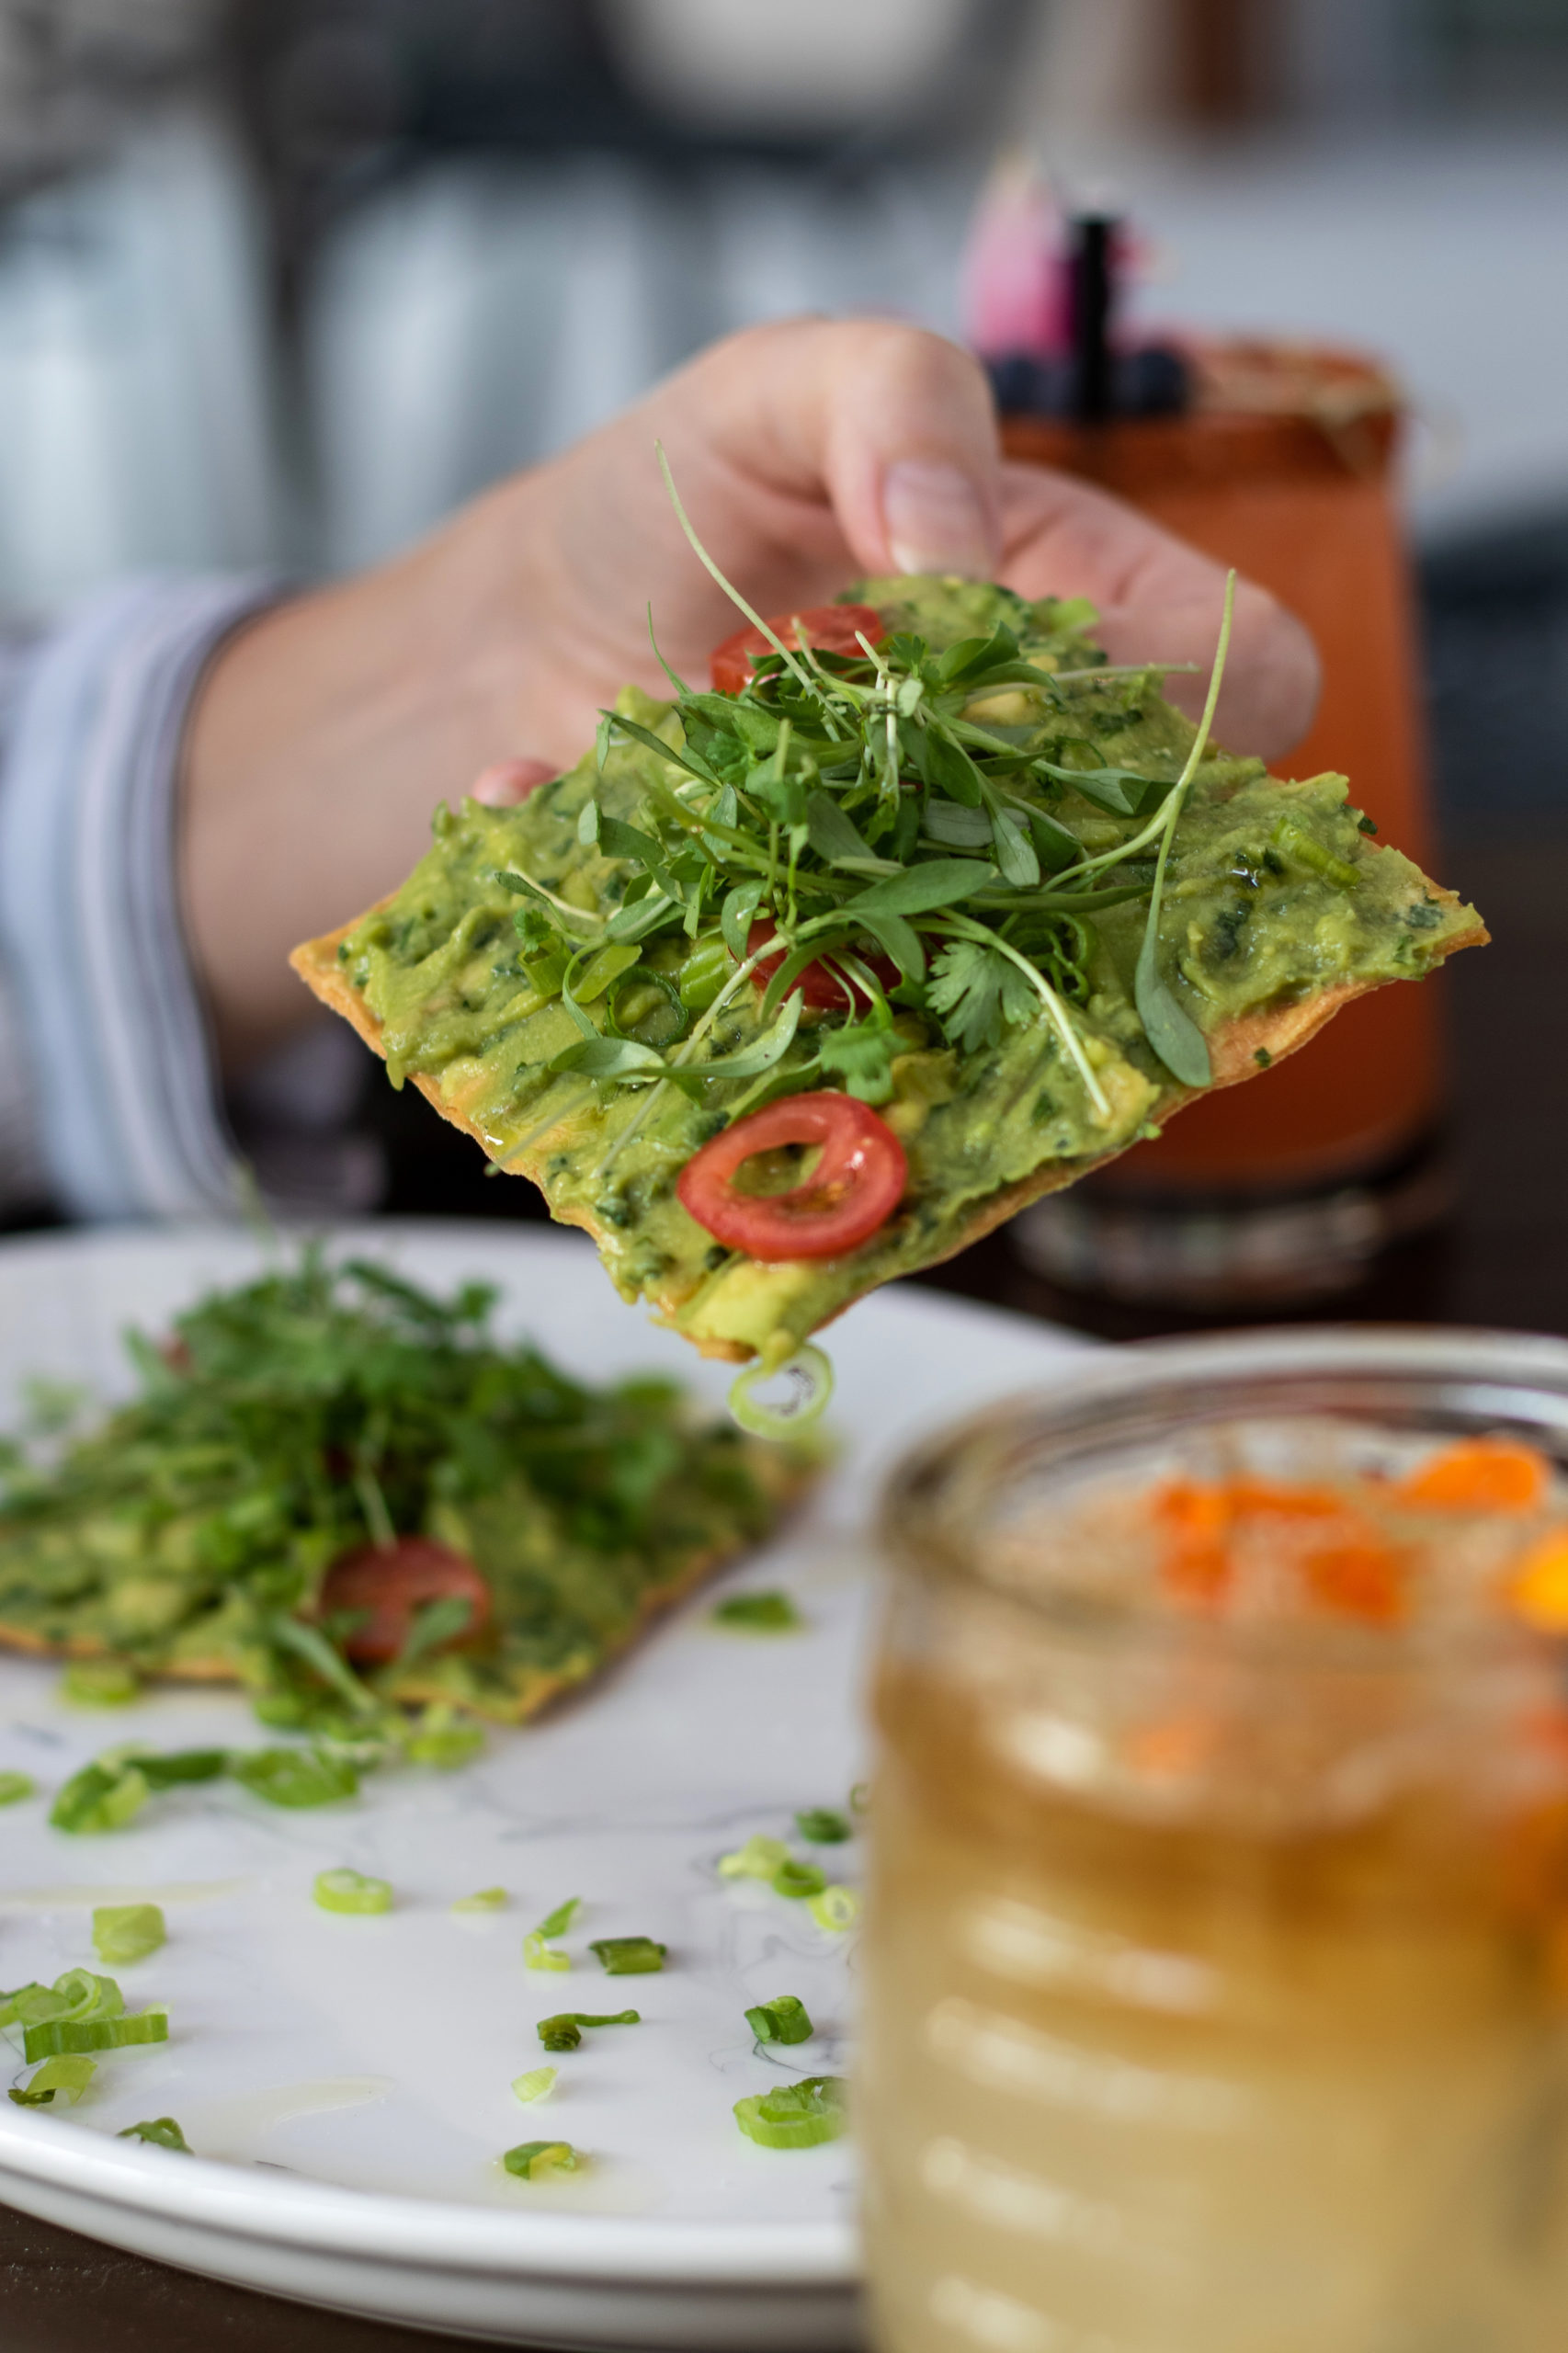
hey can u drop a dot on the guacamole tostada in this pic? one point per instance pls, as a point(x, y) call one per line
point(925, 909)
point(345, 1494)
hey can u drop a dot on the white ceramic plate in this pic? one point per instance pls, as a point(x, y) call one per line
point(346, 2082)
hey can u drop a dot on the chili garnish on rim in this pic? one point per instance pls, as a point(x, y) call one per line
point(854, 1189)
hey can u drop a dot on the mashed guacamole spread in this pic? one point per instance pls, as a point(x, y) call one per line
point(560, 976)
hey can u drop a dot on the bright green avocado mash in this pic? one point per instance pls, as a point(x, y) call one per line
point(1010, 1052)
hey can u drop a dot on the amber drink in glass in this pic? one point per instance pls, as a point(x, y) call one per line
point(1215, 1983)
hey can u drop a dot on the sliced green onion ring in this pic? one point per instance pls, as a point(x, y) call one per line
point(758, 1858)
point(14, 1787)
point(797, 1879)
point(759, 1613)
point(161, 2133)
point(784, 2019)
point(835, 1908)
point(66, 2037)
point(796, 2116)
point(539, 1953)
point(536, 2084)
point(642, 976)
point(823, 1826)
point(537, 2160)
point(484, 1899)
point(347, 1891)
point(127, 1932)
point(810, 1378)
point(56, 2078)
point(628, 1955)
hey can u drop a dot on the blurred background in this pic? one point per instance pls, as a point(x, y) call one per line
point(282, 282)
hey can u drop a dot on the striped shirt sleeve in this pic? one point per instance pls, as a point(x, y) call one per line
point(121, 1087)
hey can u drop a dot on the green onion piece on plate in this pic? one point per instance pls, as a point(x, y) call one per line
point(347, 1891)
point(126, 1932)
point(537, 1954)
point(758, 1858)
point(628, 1955)
point(79, 1994)
point(442, 1740)
point(296, 1776)
point(15, 1787)
point(797, 1879)
point(161, 2133)
point(564, 2031)
point(538, 2084)
point(177, 1766)
point(68, 2037)
point(822, 1827)
point(99, 1798)
point(784, 2019)
point(100, 1683)
point(835, 1908)
point(797, 2116)
point(557, 1922)
point(56, 2079)
point(484, 1899)
point(537, 2160)
point(759, 1613)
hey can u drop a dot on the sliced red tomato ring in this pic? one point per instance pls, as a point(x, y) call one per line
point(387, 1585)
point(824, 990)
point(854, 1189)
point(829, 628)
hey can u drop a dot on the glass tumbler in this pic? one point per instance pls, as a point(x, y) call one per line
point(1215, 1973)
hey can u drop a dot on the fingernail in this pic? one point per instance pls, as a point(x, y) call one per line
point(509, 781)
point(937, 520)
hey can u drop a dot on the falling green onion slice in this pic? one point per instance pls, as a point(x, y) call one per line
point(67, 2036)
point(784, 2019)
point(564, 2031)
point(628, 1955)
point(538, 2084)
point(758, 1858)
point(14, 1787)
point(797, 1879)
point(126, 1932)
point(296, 1776)
point(485, 1899)
point(860, 1797)
point(796, 2116)
point(347, 1891)
point(811, 1376)
point(759, 1613)
point(836, 1908)
point(537, 2160)
point(56, 2078)
point(100, 1683)
point(822, 1827)
point(161, 2133)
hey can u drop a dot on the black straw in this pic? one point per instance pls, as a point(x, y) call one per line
point(1092, 290)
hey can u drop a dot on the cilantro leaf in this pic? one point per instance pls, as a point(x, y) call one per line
point(975, 992)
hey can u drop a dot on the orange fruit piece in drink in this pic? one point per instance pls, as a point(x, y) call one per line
point(1194, 1521)
point(1480, 1474)
point(1538, 1586)
point(1361, 1576)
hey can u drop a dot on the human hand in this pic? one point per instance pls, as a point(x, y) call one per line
point(806, 453)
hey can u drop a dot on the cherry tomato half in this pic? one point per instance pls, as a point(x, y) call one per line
point(856, 1185)
point(829, 628)
point(387, 1584)
point(819, 984)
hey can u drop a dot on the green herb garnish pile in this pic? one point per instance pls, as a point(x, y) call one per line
point(324, 1408)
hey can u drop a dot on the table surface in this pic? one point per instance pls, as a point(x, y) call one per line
point(1502, 1261)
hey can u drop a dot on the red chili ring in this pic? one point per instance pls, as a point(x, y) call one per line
point(854, 1189)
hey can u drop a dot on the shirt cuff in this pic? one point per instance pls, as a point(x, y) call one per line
point(124, 1080)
